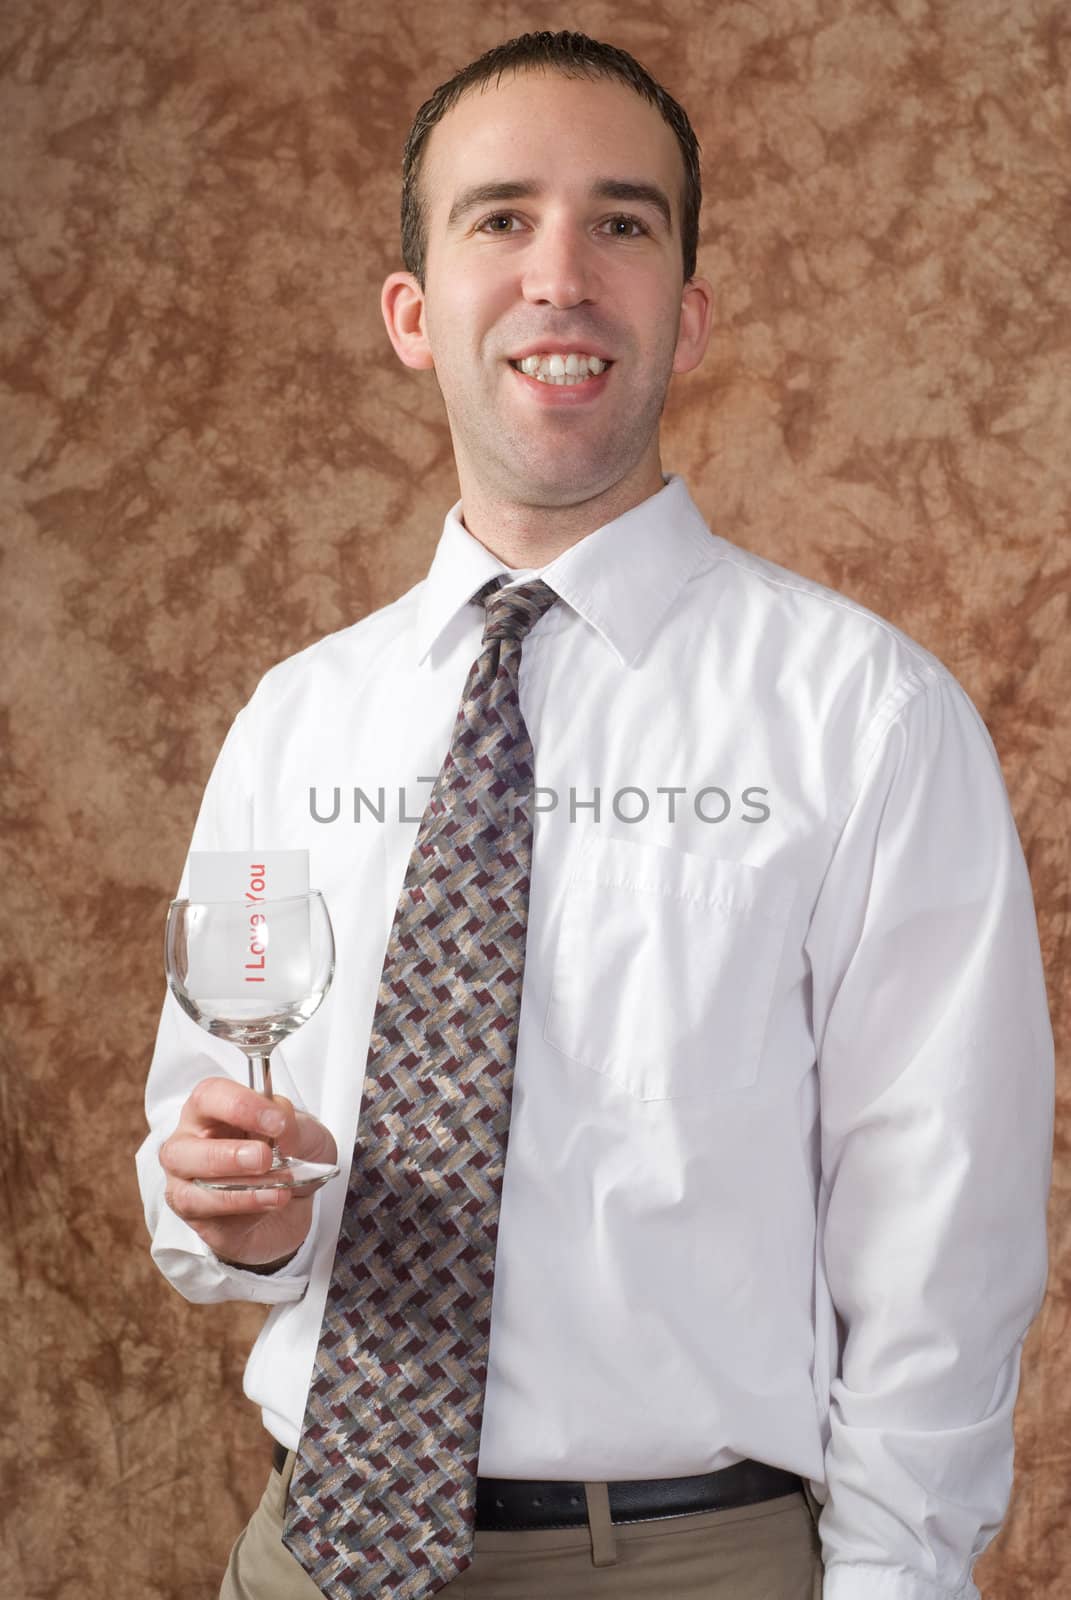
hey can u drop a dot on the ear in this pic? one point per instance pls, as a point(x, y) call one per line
point(697, 315)
point(402, 305)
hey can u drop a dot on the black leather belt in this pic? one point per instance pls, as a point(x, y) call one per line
point(515, 1503)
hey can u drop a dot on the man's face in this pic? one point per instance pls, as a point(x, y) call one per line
point(505, 276)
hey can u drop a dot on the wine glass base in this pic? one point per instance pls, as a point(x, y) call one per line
point(302, 1177)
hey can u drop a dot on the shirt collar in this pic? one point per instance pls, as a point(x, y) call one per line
point(621, 579)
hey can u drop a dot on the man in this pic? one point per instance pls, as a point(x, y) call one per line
point(747, 971)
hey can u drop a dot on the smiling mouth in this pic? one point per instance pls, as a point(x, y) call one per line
point(562, 370)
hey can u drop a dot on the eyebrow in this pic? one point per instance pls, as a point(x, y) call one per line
point(602, 189)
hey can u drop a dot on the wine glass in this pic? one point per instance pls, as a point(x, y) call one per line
point(252, 971)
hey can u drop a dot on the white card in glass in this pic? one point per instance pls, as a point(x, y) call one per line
point(254, 947)
point(247, 874)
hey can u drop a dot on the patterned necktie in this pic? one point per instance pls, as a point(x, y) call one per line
point(383, 1498)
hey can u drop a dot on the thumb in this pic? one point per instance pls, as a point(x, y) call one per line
point(305, 1137)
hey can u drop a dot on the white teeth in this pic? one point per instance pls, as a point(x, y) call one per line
point(573, 368)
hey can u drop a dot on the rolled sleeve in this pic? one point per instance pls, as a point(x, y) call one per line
point(935, 1060)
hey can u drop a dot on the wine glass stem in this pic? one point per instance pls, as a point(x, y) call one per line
point(264, 1087)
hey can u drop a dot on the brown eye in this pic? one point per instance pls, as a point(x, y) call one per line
point(634, 221)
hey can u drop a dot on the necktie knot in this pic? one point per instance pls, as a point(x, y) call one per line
point(510, 613)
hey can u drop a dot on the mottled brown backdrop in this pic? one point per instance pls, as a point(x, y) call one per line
point(211, 456)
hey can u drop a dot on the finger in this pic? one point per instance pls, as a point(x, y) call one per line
point(221, 1103)
point(289, 1141)
point(196, 1205)
point(197, 1156)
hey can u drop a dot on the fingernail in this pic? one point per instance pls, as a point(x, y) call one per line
point(272, 1121)
point(251, 1155)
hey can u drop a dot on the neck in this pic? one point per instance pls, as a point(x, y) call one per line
point(527, 534)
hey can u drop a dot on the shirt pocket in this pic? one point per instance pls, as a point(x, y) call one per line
point(665, 966)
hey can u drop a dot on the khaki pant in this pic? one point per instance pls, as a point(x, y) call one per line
point(769, 1551)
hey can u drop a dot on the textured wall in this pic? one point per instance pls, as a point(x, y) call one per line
point(212, 457)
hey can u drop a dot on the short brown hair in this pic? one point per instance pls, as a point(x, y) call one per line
point(574, 55)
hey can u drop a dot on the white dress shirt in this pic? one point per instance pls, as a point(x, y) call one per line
point(783, 1103)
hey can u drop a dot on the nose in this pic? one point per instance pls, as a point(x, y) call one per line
point(560, 267)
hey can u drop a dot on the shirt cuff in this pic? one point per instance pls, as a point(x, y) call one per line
point(865, 1580)
point(200, 1276)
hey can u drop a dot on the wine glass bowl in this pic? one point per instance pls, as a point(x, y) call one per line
point(252, 971)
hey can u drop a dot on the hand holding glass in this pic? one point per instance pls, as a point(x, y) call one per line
point(252, 973)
